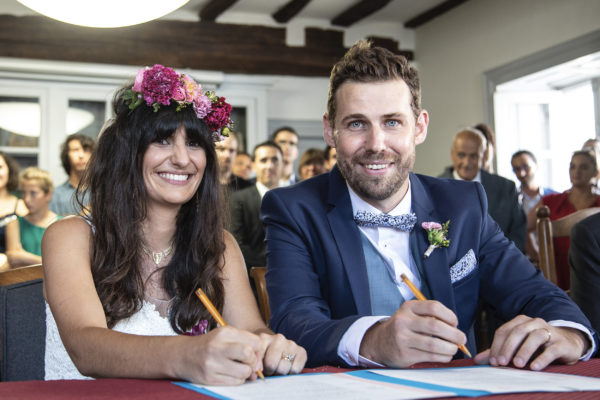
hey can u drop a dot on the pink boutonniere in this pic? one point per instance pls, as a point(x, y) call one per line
point(436, 235)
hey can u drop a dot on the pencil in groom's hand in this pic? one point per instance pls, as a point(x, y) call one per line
point(420, 297)
point(217, 316)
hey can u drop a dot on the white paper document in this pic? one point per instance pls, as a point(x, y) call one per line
point(401, 384)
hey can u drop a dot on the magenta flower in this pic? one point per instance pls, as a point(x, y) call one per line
point(160, 84)
point(199, 329)
point(218, 117)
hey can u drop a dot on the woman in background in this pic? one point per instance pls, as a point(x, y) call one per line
point(582, 170)
point(312, 163)
point(10, 205)
point(24, 235)
point(120, 282)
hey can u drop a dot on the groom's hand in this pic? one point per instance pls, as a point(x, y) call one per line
point(419, 331)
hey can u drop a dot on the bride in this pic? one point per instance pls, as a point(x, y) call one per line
point(120, 281)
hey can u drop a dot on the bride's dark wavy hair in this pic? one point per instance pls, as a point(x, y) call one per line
point(114, 185)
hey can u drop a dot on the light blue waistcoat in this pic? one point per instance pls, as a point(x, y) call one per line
point(384, 294)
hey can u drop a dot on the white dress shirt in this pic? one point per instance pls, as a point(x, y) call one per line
point(394, 247)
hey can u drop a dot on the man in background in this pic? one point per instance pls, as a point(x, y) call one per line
point(503, 203)
point(242, 166)
point(287, 139)
point(75, 153)
point(524, 165)
point(244, 204)
point(226, 151)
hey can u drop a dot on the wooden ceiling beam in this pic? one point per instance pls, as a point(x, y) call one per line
point(214, 8)
point(432, 13)
point(360, 10)
point(289, 10)
point(240, 49)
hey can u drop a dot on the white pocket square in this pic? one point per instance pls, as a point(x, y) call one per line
point(463, 267)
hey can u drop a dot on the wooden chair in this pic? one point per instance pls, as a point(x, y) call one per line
point(547, 230)
point(258, 274)
point(22, 324)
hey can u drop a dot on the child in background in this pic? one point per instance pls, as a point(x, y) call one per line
point(24, 235)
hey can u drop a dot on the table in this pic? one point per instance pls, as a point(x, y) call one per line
point(139, 389)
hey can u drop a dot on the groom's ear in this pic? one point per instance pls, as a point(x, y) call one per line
point(421, 127)
point(328, 131)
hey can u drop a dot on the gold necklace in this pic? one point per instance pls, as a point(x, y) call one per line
point(158, 256)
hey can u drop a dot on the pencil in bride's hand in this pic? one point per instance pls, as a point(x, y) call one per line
point(420, 297)
point(217, 316)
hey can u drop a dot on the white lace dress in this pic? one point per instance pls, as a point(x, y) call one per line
point(58, 364)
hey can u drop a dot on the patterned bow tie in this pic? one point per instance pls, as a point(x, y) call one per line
point(404, 222)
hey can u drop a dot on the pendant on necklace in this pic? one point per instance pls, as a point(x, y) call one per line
point(158, 256)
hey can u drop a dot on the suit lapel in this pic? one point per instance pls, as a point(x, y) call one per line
point(436, 267)
point(347, 238)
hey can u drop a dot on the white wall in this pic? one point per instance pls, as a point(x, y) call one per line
point(454, 50)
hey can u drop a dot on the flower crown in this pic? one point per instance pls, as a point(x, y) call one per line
point(160, 85)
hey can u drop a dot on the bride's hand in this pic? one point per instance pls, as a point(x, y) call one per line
point(281, 356)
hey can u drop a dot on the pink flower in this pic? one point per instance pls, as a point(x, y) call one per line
point(192, 89)
point(202, 106)
point(137, 86)
point(431, 225)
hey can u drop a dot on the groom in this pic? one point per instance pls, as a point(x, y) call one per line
point(334, 272)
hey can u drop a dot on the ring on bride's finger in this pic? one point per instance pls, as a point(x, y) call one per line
point(288, 357)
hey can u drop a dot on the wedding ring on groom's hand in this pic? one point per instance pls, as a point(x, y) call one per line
point(549, 335)
point(288, 357)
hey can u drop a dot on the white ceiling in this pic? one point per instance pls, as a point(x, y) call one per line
point(558, 77)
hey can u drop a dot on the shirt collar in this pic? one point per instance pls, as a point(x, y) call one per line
point(262, 189)
point(359, 204)
point(477, 178)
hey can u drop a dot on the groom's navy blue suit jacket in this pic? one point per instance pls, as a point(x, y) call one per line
point(317, 277)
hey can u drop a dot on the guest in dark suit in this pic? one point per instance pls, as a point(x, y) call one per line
point(467, 157)
point(226, 151)
point(584, 260)
point(334, 261)
point(245, 204)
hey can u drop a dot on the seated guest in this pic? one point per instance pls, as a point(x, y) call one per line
point(226, 151)
point(467, 156)
point(312, 163)
point(582, 171)
point(24, 235)
point(74, 155)
point(524, 165)
point(337, 245)
point(120, 282)
point(242, 166)
point(244, 205)
point(584, 260)
point(10, 205)
point(330, 157)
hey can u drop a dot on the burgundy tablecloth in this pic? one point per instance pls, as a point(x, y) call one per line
point(138, 389)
